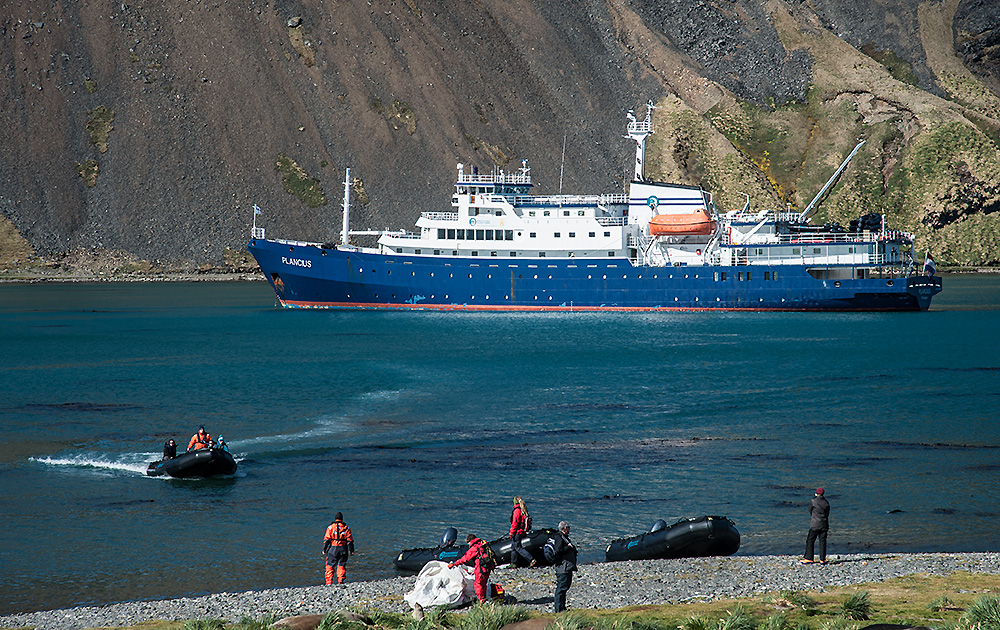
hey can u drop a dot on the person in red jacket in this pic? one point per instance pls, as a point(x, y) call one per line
point(520, 523)
point(338, 545)
point(201, 439)
point(482, 572)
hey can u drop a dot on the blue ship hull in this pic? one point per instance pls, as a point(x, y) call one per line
point(312, 276)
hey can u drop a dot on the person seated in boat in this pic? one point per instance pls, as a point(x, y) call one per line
point(222, 445)
point(169, 449)
point(199, 440)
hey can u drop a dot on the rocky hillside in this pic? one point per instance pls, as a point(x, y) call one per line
point(149, 130)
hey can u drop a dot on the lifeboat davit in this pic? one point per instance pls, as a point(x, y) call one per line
point(691, 223)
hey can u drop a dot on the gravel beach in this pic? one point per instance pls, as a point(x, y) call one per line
point(595, 586)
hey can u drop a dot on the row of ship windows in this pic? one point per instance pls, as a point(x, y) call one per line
point(718, 276)
point(454, 252)
point(496, 235)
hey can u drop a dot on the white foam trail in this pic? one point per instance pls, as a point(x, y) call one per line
point(125, 462)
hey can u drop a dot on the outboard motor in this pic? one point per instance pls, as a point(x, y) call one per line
point(658, 525)
point(449, 538)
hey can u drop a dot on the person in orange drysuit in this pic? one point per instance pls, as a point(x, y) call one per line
point(201, 439)
point(338, 545)
point(482, 572)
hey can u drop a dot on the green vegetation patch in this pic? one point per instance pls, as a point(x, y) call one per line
point(90, 85)
point(298, 183)
point(88, 171)
point(899, 68)
point(399, 114)
point(99, 127)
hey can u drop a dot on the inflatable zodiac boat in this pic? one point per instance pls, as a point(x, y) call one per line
point(687, 538)
point(412, 560)
point(204, 462)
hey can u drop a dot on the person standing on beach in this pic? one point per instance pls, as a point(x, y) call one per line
point(564, 557)
point(819, 525)
point(483, 566)
point(338, 545)
point(520, 523)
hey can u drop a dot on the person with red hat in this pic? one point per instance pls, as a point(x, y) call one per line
point(819, 525)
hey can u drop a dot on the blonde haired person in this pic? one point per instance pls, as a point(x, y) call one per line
point(520, 524)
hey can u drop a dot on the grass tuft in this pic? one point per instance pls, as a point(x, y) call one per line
point(983, 613)
point(857, 606)
point(491, 616)
point(738, 618)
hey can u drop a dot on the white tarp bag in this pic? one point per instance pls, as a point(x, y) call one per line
point(437, 585)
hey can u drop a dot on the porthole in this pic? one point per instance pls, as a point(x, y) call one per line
point(535, 276)
point(487, 297)
point(470, 275)
point(696, 298)
point(624, 276)
point(550, 276)
point(451, 275)
point(432, 274)
point(360, 270)
point(837, 283)
point(489, 275)
point(604, 277)
point(716, 299)
point(675, 299)
point(550, 298)
point(589, 276)
point(412, 273)
point(888, 283)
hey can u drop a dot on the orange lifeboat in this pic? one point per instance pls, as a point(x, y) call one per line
point(670, 224)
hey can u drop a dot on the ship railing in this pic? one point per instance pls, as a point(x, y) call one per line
point(566, 200)
point(495, 178)
point(612, 221)
point(439, 216)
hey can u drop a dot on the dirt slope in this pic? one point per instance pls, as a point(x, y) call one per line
point(150, 129)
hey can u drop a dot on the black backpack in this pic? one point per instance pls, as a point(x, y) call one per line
point(549, 550)
point(487, 559)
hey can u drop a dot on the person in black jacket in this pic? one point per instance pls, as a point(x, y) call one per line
point(564, 557)
point(819, 525)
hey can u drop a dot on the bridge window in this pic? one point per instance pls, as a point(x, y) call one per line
point(461, 235)
point(556, 235)
point(767, 275)
point(580, 213)
point(508, 235)
point(572, 234)
point(592, 235)
point(489, 235)
point(531, 234)
point(480, 235)
point(607, 234)
point(565, 213)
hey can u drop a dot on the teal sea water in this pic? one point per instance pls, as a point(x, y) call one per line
point(412, 422)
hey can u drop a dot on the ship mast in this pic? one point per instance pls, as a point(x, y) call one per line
point(347, 208)
point(639, 131)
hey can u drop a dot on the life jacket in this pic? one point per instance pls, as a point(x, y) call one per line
point(200, 440)
point(339, 534)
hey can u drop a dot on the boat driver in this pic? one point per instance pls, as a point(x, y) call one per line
point(169, 449)
point(201, 439)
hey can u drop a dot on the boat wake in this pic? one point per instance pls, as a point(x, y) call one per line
point(123, 462)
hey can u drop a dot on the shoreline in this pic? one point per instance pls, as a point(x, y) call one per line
point(598, 586)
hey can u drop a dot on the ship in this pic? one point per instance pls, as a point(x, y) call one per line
point(655, 247)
